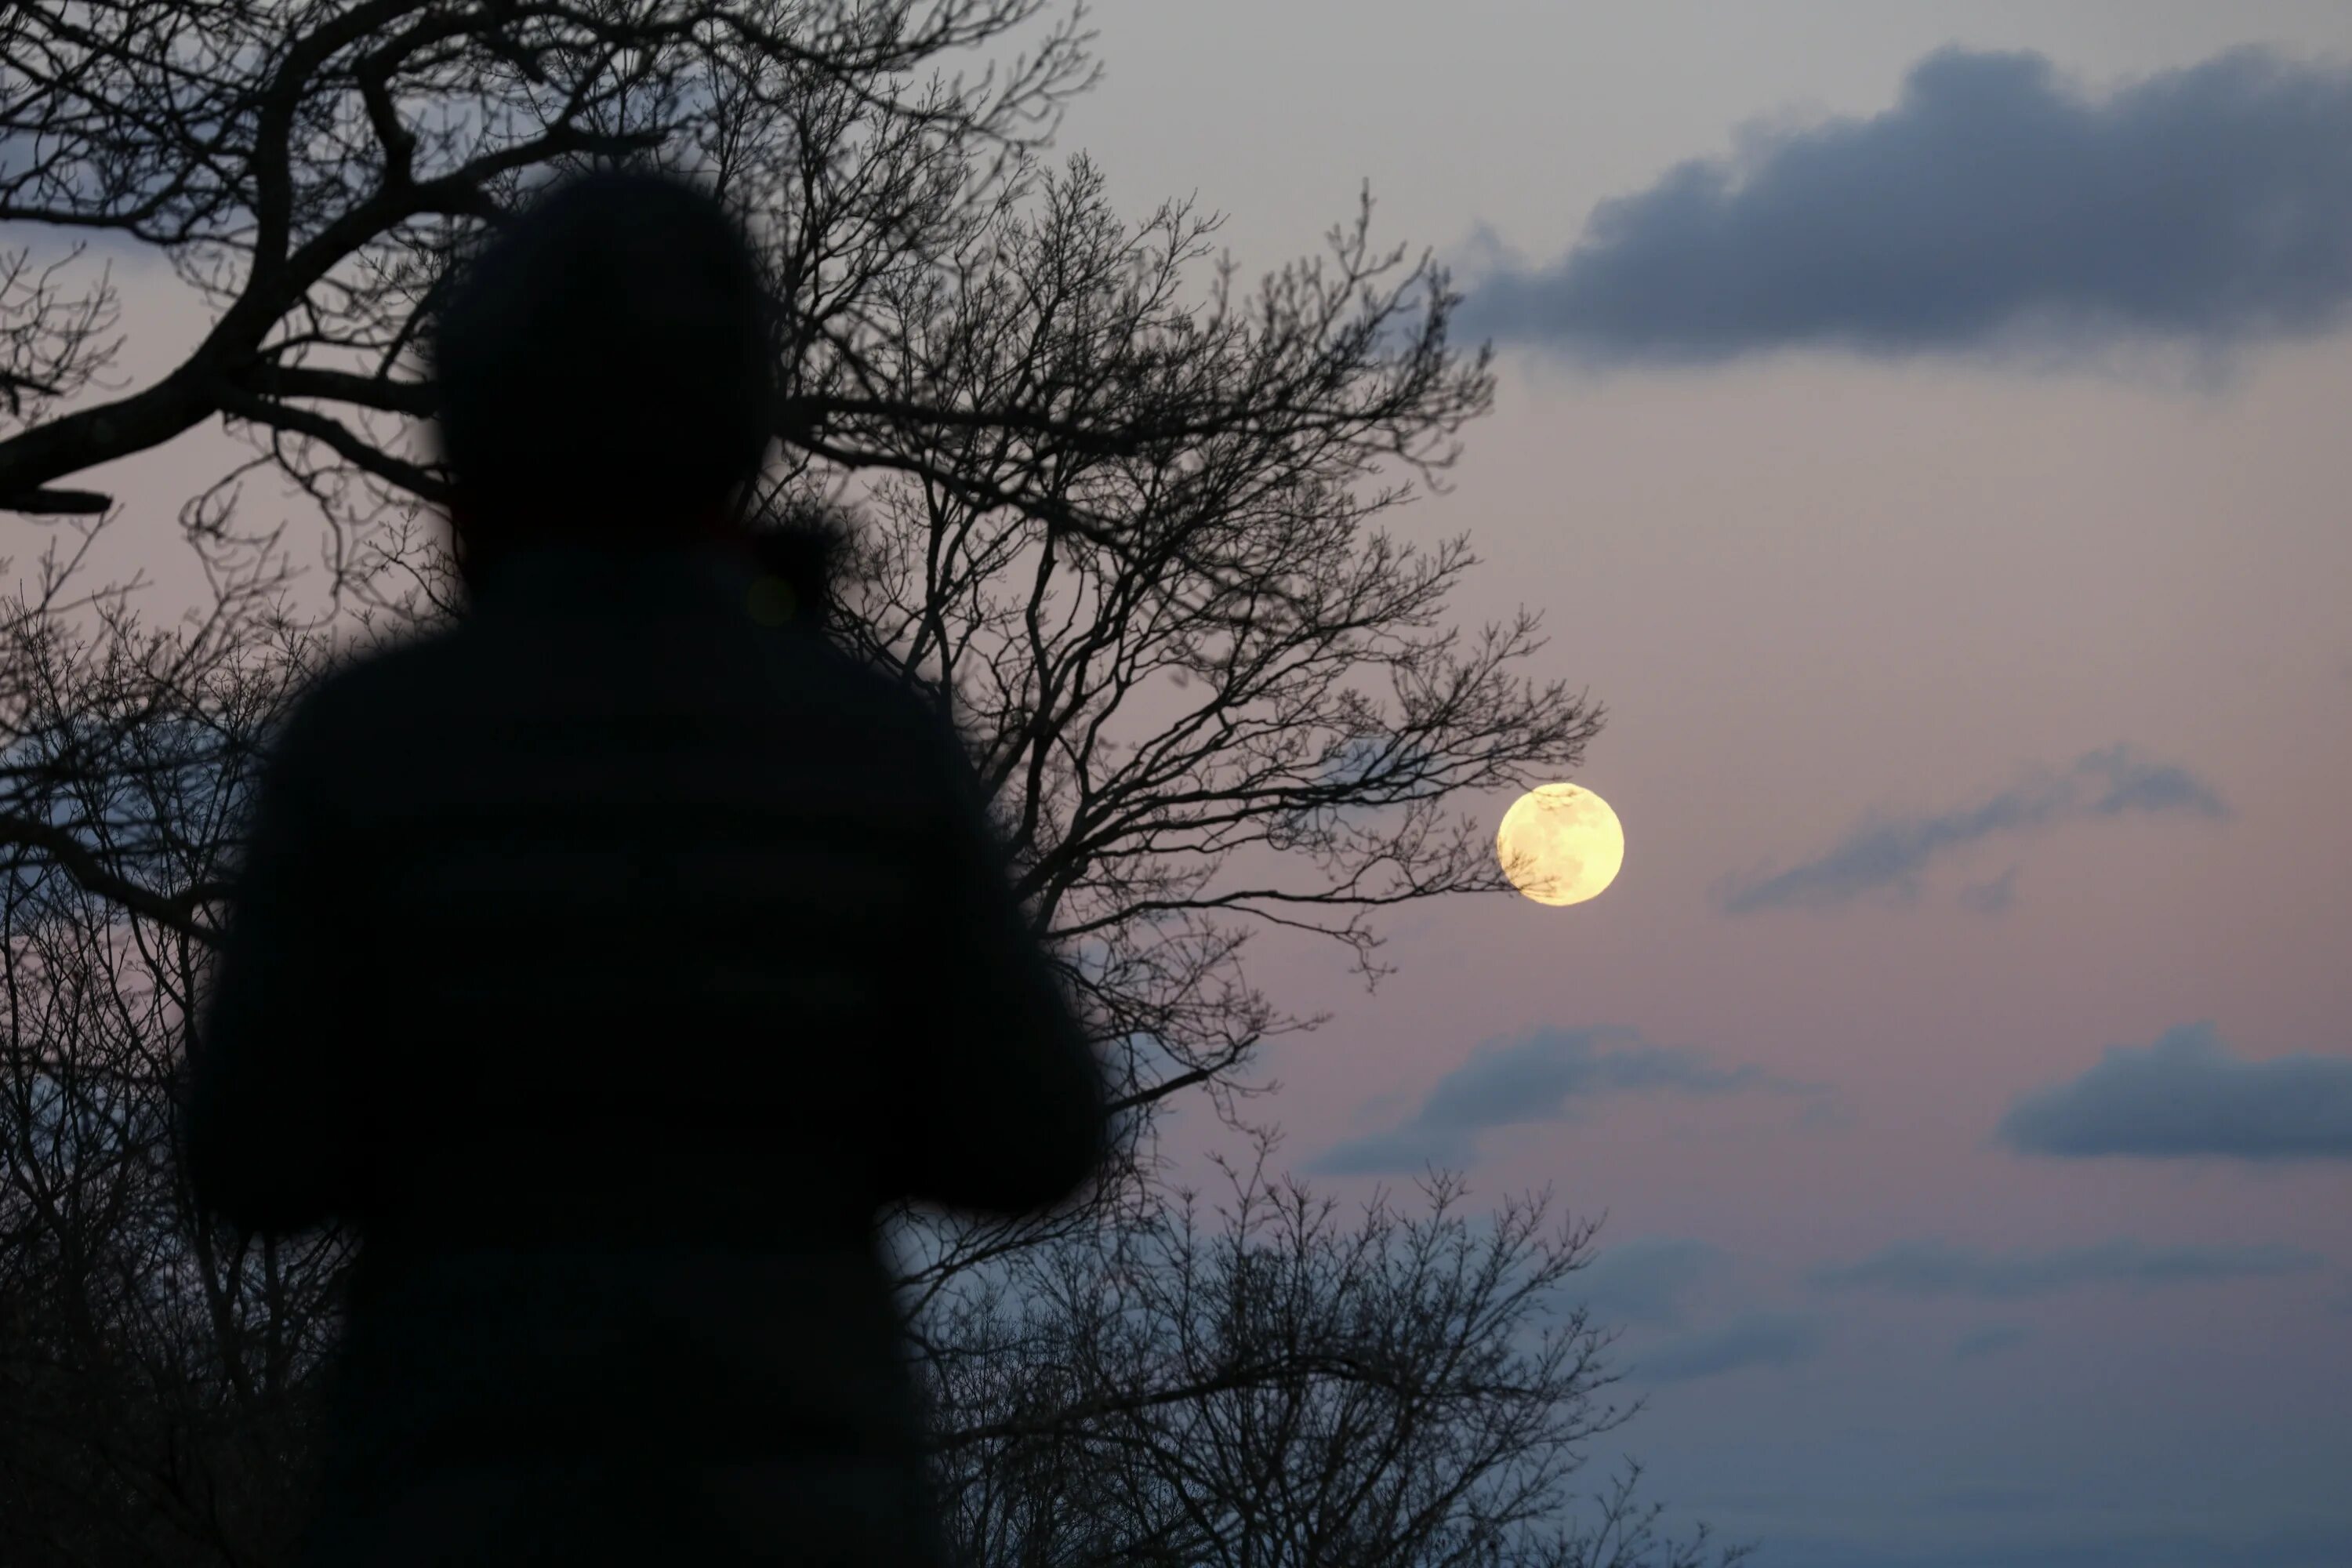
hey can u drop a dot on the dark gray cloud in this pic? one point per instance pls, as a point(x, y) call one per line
point(2186, 1096)
point(1757, 1339)
point(2229, 1542)
point(1988, 1340)
point(1642, 1281)
point(1934, 1269)
point(1995, 202)
point(1889, 853)
point(1546, 1075)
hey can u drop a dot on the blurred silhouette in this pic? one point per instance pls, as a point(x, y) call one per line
point(609, 958)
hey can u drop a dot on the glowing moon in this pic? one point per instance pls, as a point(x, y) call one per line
point(1560, 844)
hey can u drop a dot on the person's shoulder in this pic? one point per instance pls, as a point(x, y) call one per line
point(382, 667)
point(917, 735)
point(356, 687)
point(890, 700)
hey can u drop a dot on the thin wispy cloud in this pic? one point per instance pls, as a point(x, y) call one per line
point(1997, 205)
point(1993, 1500)
point(1936, 1269)
point(1543, 1076)
point(1646, 1287)
point(2092, 1537)
point(1889, 852)
point(1757, 1339)
point(2187, 1096)
point(1643, 1282)
point(1992, 898)
point(1988, 1341)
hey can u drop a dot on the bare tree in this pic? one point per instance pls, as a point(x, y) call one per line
point(157, 1373)
point(1277, 1392)
point(1127, 529)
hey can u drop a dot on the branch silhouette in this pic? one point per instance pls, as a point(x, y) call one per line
point(1128, 533)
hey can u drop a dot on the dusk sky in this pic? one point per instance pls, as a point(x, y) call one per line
point(1926, 429)
point(1923, 427)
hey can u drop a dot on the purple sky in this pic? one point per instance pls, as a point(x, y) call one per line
point(2000, 664)
point(1980, 697)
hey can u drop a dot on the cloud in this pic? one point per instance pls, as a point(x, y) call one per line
point(1993, 1498)
point(1382, 767)
point(1934, 1269)
point(2186, 1096)
point(1993, 203)
point(1546, 1075)
point(1992, 898)
point(1889, 852)
point(2085, 1540)
point(1642, 1281)
point(1987, 1341)
point(1757, 1339)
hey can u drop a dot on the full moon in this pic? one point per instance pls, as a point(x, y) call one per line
point(1560, 844)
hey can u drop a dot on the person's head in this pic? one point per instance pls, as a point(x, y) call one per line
point(604, 368)
point(804, 547)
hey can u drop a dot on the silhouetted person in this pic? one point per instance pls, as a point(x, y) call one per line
point(610, 956)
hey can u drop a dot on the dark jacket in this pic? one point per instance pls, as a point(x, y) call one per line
point(608, 958)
